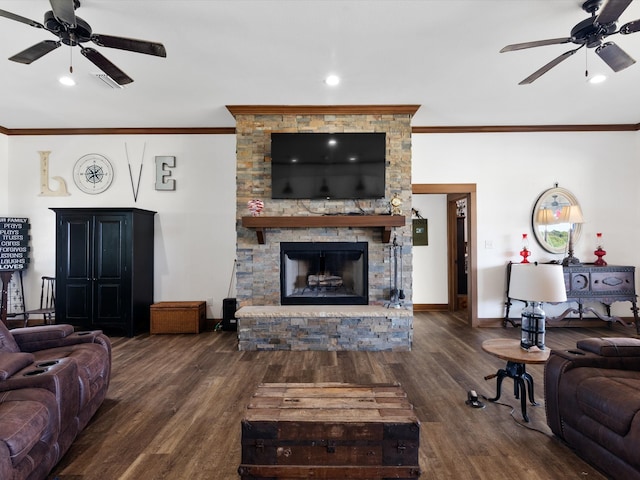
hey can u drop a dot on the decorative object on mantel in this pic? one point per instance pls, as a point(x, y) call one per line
point(571, 215)
point(600, 252)
point(396, 204)
point(525, 253)
point(255, 207)
point(536, 283)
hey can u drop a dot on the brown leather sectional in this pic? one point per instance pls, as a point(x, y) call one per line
point(592, 396)
point(52, 381)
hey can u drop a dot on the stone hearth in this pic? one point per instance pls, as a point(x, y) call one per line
point(340, 327)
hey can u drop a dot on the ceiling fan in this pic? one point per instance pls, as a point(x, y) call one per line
point(71, 30)
point(591, 33)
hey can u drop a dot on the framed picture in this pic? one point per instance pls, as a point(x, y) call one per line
point(420, 231)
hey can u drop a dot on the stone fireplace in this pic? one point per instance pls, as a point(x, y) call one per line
point(259, 270)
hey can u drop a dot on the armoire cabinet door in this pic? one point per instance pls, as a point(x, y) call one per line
point(76, 269)
point(111, 290)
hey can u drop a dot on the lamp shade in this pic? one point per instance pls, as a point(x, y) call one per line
point(571, 214)
point(545, 216)
point(537, 283)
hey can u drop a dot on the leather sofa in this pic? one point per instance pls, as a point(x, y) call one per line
point(592, 396)
point(52, 381)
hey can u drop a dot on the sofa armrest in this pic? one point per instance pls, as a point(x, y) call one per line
point(611, 347)
point(12, 362)
point(32, 339)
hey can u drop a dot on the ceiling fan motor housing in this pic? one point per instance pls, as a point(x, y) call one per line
point(81, 33)
point(590, 33)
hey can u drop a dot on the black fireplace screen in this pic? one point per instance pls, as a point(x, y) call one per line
point(324, 273)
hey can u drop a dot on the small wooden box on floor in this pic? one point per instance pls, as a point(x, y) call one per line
point(178, 317)
point(329, 431)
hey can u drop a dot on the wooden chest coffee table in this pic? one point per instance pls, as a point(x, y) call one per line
point(329, 431)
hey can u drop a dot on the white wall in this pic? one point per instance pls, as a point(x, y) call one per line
point(194, 226)
point(512, 169)
point(430, 261)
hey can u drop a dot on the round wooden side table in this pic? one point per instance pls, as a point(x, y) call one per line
point(517, 358)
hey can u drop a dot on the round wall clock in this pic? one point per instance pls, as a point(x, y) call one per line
point(93, 173)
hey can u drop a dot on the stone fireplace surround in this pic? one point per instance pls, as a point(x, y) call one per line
point(266, 325)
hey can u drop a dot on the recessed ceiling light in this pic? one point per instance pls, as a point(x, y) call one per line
point(598, 78)
point(332, 80)
point(67, 81)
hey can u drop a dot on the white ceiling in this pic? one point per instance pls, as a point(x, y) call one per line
point(440, 54)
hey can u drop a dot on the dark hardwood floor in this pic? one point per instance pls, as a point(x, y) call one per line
point(175, 403)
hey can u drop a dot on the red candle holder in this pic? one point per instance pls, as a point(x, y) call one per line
point(525, 253)
point(599, 252)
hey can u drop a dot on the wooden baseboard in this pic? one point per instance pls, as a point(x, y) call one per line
point(430, 307)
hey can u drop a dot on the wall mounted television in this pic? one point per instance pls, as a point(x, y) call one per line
point(332, 166)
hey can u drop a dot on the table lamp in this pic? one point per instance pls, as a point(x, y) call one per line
point(533, 284)
point(572, 215)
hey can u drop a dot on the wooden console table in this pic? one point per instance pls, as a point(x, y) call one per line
point(385, 222)
point(591, 283)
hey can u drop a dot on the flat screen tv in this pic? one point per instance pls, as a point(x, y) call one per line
point(328, 165)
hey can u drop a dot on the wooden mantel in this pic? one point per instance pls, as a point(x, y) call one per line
point(385, 222)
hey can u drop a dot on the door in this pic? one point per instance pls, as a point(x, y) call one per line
point(467, 190)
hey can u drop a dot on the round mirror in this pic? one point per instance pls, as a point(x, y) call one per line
point(549, 222)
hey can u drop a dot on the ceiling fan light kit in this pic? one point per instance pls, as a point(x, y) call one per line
point(73, 31)
point(589, 33)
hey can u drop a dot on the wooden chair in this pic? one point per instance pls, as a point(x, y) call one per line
point(47, 302)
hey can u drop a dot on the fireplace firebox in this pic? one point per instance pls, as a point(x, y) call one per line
point(324, 273)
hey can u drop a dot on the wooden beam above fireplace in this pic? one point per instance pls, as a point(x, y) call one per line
point(385, 222)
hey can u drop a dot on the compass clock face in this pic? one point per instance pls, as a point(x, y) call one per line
point(93, 173)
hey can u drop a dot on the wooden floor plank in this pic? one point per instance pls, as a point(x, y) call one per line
point(175, 404)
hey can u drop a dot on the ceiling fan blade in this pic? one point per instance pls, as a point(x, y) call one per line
point(64, 11)
point(541, 71)
point(130, 44)
point(630, 27)
point(35, 52)
point(612, 11)
point(538, 43)
point(18, 18)
point(106, 66)
point(614, 56)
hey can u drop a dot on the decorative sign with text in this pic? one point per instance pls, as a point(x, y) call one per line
point(14, 243)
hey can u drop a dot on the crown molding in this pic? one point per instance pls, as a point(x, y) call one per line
point(119, 131)
point(323, 109)
point(622, 127)
point(619, 127)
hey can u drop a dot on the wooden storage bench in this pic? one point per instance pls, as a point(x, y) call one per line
point(329, 431)
point(178, 317)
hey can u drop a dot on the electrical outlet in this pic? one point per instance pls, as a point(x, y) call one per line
point(488, 244)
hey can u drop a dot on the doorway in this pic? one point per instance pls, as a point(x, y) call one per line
point(455, 192)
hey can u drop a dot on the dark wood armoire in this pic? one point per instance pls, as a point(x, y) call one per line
point(104, 268)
